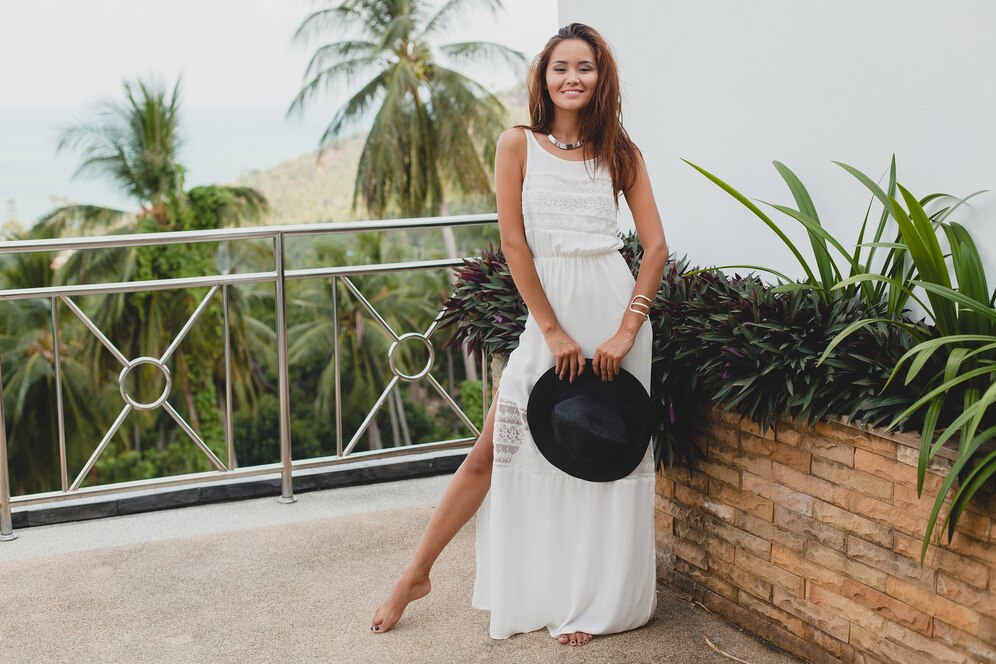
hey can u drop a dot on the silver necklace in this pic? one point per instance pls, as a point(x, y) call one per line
point(565, 146)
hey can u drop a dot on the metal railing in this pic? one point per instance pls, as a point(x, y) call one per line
point(278, 276)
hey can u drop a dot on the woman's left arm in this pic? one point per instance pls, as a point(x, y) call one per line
point(640, 197)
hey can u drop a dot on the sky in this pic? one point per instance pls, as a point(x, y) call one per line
point(240, 70)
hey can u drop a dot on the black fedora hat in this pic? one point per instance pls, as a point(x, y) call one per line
point(591, 429)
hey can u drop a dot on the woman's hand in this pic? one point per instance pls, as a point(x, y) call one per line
point(608, 357)
point(570, 359)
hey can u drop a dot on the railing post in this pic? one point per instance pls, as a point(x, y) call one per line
point(229, 434)
point(60, 409)
point(6, 523)
point(287, 480)
point(338, 376)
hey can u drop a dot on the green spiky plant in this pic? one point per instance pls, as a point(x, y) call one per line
point(954, 357)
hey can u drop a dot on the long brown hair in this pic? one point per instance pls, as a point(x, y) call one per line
point(605, 139)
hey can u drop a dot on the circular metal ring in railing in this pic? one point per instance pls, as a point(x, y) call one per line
point(428, 365)
point(124, 375)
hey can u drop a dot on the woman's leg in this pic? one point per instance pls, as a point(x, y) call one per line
point(460, 501)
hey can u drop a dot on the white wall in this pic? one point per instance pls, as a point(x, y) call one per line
point(733, 85)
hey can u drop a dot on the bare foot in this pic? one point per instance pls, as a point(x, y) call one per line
point(575, 638)
point(408, 589)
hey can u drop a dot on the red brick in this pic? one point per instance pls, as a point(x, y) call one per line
point(720, 472)
point(776, 575)
point(742, 500)
point(810, 485)
point(983, 651)
point(848, 521)
point(689, 479)
point(899, 519)
point(974, 524)
point(974, 548)
point(689, 552)
point(838, 561)
point(933, 604)
point(664, 486)
point(691, 515)
point(766, 629)
point(778, 493)
point(780, 616)
point(888, 469)
point(825, 620)
point(663, 522)
point(756, 545)
point(981, 601)
point(741, 578)
point(911, 457)
point(872, 641)
point(793, 562)
point(843, 607)
point(889, 561)
point(707, 579)
point(965, 569)
point(817, 445)
point(770, 531)
point(809, 528)
point(857, 438)
point(791, 457)
point(905, 497)
point(888, 607)
point(926, 647)
point(854, 479)
point(712, 545)
point(688, 495)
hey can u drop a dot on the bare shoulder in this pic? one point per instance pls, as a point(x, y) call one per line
point(512, 141)
point(511, 147)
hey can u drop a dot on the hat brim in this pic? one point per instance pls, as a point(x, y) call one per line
point(630, 398)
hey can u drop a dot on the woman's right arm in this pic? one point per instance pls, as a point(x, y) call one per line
point(510, 160)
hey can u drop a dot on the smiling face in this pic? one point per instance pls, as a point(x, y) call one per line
point(571, 74)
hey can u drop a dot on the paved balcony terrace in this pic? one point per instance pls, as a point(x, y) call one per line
point(260, 581)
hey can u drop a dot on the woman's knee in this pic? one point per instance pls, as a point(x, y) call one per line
point(481, 456)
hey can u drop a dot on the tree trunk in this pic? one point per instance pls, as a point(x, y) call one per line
point(394, 419)
point(405, 433)
point(373, 434)
point(188, 393)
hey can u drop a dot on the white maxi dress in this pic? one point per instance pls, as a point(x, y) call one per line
point(553, 550)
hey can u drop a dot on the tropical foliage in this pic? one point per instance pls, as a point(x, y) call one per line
point(434, 127)
point(952, 361)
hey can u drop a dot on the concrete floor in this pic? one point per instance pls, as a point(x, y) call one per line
point(260, 581)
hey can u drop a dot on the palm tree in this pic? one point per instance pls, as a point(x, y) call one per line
point(406, 303)
point(434, 129)
point(136, 145)
point(29, 380)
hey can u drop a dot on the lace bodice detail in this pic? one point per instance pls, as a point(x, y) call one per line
point(561, 198)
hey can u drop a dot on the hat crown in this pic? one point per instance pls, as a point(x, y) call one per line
point(587, 428)
point(592, 429)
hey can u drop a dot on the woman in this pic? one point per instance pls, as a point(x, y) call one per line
point(553, 550)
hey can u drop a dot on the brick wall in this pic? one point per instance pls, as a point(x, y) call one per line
point(811, 539)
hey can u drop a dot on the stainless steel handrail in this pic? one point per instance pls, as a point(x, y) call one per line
point(241, 233)
point(279, 276)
